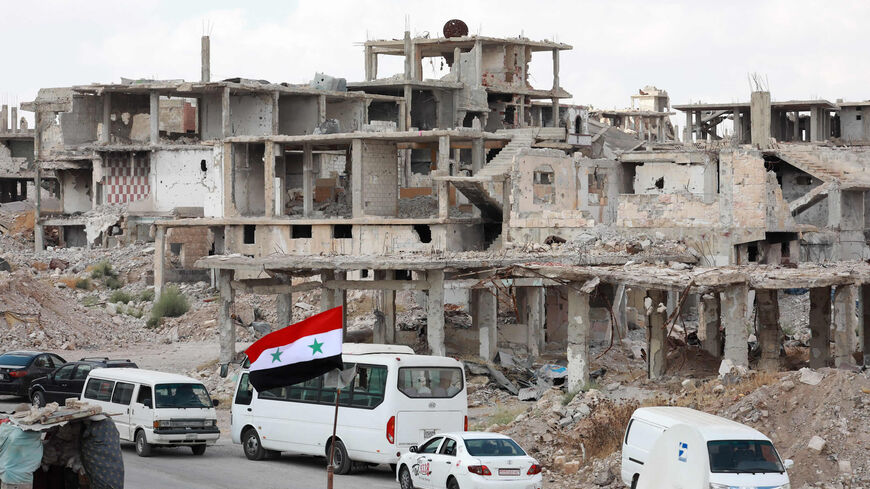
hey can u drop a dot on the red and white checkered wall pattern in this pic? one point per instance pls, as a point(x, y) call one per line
point(125, 182)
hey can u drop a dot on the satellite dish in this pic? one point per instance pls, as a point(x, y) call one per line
point(455, 28)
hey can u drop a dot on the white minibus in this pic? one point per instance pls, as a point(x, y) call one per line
point(396, 399)
point(155, 408)
point(682, 447)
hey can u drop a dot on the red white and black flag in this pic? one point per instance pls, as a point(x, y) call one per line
point(297, 353)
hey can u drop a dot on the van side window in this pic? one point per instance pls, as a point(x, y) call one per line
point(144, 393)
point(368, 386)
point(246, 392)
point(123, 393)
point(99, 390)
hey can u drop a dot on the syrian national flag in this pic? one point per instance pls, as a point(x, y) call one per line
point(297, 353)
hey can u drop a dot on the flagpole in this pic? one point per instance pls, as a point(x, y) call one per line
point(329, 470)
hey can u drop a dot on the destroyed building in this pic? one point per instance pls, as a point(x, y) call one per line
point(475, 189)
point(16, 156)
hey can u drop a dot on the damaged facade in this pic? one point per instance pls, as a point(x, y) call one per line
point(459, 188)
point(16, 156)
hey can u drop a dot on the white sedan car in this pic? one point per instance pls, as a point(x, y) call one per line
point(468, 460)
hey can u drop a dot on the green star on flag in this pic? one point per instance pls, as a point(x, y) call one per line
point(316, 347)
point(276, 357)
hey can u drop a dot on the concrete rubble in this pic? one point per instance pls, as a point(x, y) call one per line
point(580, 261)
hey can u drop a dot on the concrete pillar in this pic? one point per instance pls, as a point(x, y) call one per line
point(435, 313)
point(284, 307)
point(269, 178)
point(769, 337)
point(226, 128)
point(760, 113)
point(154, 117)
point(815, 117)
point(4, 117)
point(275, 113)
point(820, 326)
point(845, 324)
point(690, 129)
point(484, 318)
point(709, 323)
point(369, 72)
point(738, 126)
point(205, 56)
point(478, 155)
point(865, 326)
point(307, 187)
point(356, 177)
point(107, 113)
point(578, 340)
point(327, 297)
point(656, 341)
point(536, 316)
point(620, 300)
point(385, 328)
point(226, 328)
point(38, 231)
point(14, 121)
point(409, 96)
point(796, 129)
point(443, 170)
point(734, 320)
point(159, 260)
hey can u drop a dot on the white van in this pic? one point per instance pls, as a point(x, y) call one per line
point(397, 399)
point(155, 408)
point(682, 447)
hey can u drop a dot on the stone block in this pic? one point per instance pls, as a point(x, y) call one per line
point(816, 444)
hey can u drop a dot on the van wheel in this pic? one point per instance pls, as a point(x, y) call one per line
point(198, 449)
point(405, 478)
point(38, 399)
point(452, 483)
point(143, 448)
point(251, 444)
point(634, 481)
point(341, 463)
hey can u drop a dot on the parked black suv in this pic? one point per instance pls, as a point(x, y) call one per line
point(19, 368)
point(68, 380)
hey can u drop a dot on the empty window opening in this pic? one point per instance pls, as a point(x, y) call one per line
point(785, 249)
point(203, 165)
point(543, 178)
point(660, 183)
point(857, 117)
point(803, 180)
point(424, 232)
point(544, 189)
point(402, 275)
point(175, 248)
point(752, 252)
point(301, 231)
point(250, 234)
point(342, 231)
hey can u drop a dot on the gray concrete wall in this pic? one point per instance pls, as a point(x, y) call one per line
point(251, 114)
point(350, 114)
point(210, 114)
point(297, 114)
point(79, 126)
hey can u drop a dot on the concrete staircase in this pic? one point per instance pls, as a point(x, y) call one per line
point(504, 161)
point(811, 162)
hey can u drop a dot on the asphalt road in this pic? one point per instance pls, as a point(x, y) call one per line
point(225, 466)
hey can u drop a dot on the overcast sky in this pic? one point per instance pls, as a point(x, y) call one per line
point(695, 50)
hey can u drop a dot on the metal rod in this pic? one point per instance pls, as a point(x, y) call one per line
point(329, 470)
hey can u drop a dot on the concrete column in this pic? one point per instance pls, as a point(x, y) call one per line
point(578, 340)
point(269, 178)
point(107, 113)
point(769, 336)
point(443, 170)
point(734, 320)
point(708, 324)
point(284, 307)
point(327, 297)
point(356, 177)
point(205, 56)
point(478, 155)
point(409, 96)
point(690, 128)
point(796, 130)
point(38, 231)
point(865, 326)
point(369, 72)
point(536, 319)
point(321, 109)
point(506, 208)
point(340, 299)
point(656, 342)
point(228, 177)
point(307, 170)
point(820, 326)
point(484, 318)
point(814, 124)
point(619, 310)
point(385, 305)
point(14, 121)
point(435, 313)
point(4, 117)
point(845, 324)
point(738, 126)
point(760, 113)
point(159, 260)
point(154, 117)
point(275, 113)
point(226, 128)
point(226, 328)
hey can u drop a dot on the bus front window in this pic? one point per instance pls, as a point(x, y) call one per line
point(430, 382)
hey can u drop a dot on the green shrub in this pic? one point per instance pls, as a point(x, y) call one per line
point(103, 270)
point(120, 296)
point(172, 303)
point(152, 322)
point(136, 313)
point(113, 283)
point(84, 284)
point(90, 301)
point(147, 295)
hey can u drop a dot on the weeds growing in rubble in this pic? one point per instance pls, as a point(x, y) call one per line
point(90, 300)
point(147, 295)
point(103, 269)
point(172, 303)
point(113, 283)
point(84, 284)
point(120, 296)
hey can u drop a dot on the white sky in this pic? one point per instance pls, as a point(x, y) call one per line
point(695, 50)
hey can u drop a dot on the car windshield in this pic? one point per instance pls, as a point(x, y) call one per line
point(430, 382)
point(182, 396)
point(493, 447)
point(743, 456)
point(15, 359)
